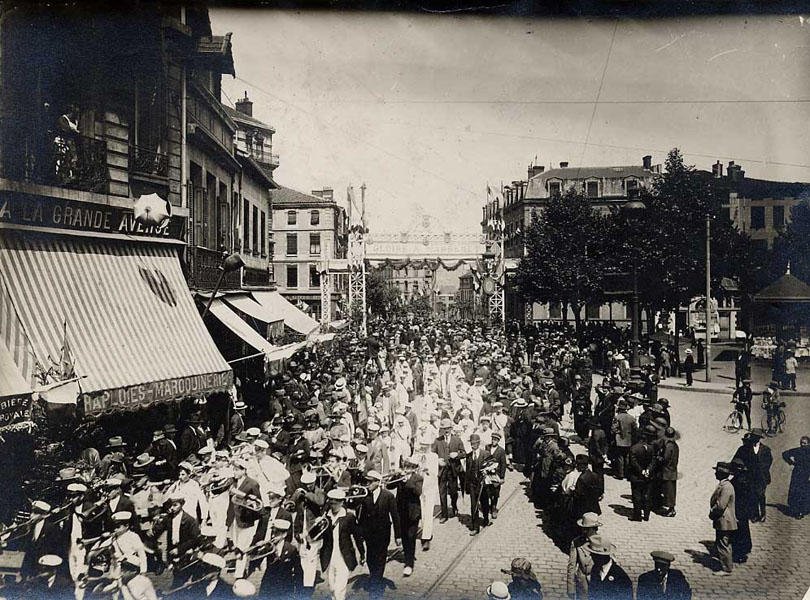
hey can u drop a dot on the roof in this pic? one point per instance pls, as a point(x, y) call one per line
point(288, 196)
point(241, 117)
point(755, 189)
point(788, 288)
point(246, 160)
point(218, 47)
point(538, 182)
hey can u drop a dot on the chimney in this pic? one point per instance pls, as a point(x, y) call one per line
point(564, 165)
point(535, 170)
point(717, 170)
point(328, 193)
point(735, 172)
point(646, 161)
point(245, 106)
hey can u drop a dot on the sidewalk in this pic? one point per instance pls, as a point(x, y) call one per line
point(723, 375)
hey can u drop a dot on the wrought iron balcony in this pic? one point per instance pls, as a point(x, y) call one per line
point(203, 269)
point(148, 161)
point(50, 157)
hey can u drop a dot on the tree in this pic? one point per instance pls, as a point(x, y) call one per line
point(381, 298)
point(565, 256)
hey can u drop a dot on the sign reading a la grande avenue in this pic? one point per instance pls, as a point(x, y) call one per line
point(42, 211)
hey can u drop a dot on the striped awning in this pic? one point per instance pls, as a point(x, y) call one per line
point(118, 314)
point(293, 317)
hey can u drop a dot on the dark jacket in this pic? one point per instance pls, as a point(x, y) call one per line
point(474, 477)
point(283, 576)
point(616, 586)
point(587, 492)
point(669, 463)
point(640, 460)
point(443, 450)
point(650, 588)
point(521, 588)
point(409, 504)
point(243, 516)
point(124, 504)
point(499, 455)
point(348, 530)
point(375, 518)
point(189, 533)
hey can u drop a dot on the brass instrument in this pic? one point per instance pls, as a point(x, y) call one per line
point(356, 492)
point(246, 501)
point(395, 477)
point(317, 528)
point(489, 470)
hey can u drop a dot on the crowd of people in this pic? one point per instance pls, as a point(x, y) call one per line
point(316, 468)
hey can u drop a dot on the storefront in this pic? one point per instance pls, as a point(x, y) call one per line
point(782, 316)
point(90, 295)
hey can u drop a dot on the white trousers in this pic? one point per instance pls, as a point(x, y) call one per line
point(337, 574)
point(428, 502)
point(242, 538)
point(309, 561)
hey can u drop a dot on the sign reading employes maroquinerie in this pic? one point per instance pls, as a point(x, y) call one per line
point(41, 211)
point(136, 396)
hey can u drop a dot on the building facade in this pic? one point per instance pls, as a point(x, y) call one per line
point(410, 281)
point(465, 297)
point(308, 230)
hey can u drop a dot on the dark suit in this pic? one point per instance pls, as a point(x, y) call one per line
point(244, 517)
point(476, 488)
point(669, 472)
point(449, 473)
point(51, 540)
point(264, 524)
point(347, 530)
point(191, 439)
point(587, 492)
point(494, 491)
point(651, 587)
point(616, 586)
point(189, 533)
point(124, 504)
point(283, 577)
point(758, 473)
point(375, 520)
point(409, 508)
point(638, 465)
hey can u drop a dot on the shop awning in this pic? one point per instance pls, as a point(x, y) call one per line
point(249, 335)
point(250, 307)
point(293, 317)
point(119, 314)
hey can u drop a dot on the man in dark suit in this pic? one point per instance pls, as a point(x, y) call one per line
point(449, 449)
point(117, 501)
point(669, 472)
point(623, 428)
point(608, 581)
point(498, 455)
point(758, 459)
point(409, 507)
point(182, 536)
point(376, 515)
point(587, 490)
point(338, 562)
point(639, 462)
point(42, 538)
point(474, 477)
point(282, 577)
point(663, 582)
point(193, 437)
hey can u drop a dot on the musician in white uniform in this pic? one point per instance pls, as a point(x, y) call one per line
point(429, 470)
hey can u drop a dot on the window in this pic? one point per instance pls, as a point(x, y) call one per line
point(292, 276)
point(592, 311)
point(314, 217)
point(292, 244)
point(246, 224)
point(592, 189)
point(292, 217)
point(315, 243)
point(632, 186)
point(555, 310)
point(553, 188)
point(263, 231)
point(778, 216)
point(255, 225)
point(314, 277)
point(757, 217)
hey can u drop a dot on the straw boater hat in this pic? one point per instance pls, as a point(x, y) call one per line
point(599, 544)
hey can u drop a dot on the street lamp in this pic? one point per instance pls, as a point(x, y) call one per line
point(633, 210)
point(232, 263)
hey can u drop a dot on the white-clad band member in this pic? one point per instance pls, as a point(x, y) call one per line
point(241, 519)
point(429, 470)
point(338, 558)
point(309, 502)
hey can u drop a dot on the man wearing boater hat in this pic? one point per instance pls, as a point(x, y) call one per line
point(663, 582)
point(608, 581)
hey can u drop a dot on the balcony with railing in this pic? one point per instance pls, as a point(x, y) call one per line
point(204, 269)
point(147, 161)
point(50, 157)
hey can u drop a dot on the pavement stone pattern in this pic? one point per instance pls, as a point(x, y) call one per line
point(459, 566)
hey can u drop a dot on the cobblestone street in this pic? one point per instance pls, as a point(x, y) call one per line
point(460, 566)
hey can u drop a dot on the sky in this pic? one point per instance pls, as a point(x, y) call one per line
point(429, 110)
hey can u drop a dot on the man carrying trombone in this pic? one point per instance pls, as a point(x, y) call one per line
point(377, 513)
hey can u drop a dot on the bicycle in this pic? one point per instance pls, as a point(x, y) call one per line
point(773, 422)
point(734, 421)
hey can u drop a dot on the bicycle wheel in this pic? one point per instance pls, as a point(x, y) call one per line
point(768, 426)
point(733, 422)
point(782, 418)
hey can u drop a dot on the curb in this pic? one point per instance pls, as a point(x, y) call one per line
point(724, 390)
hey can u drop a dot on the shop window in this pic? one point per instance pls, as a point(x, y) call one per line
point(292, 244)
point(292, 276)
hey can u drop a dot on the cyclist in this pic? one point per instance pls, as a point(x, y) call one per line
point(771, 404)
point(742, 399)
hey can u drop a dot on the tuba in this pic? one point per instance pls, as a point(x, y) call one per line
point(318, 528)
